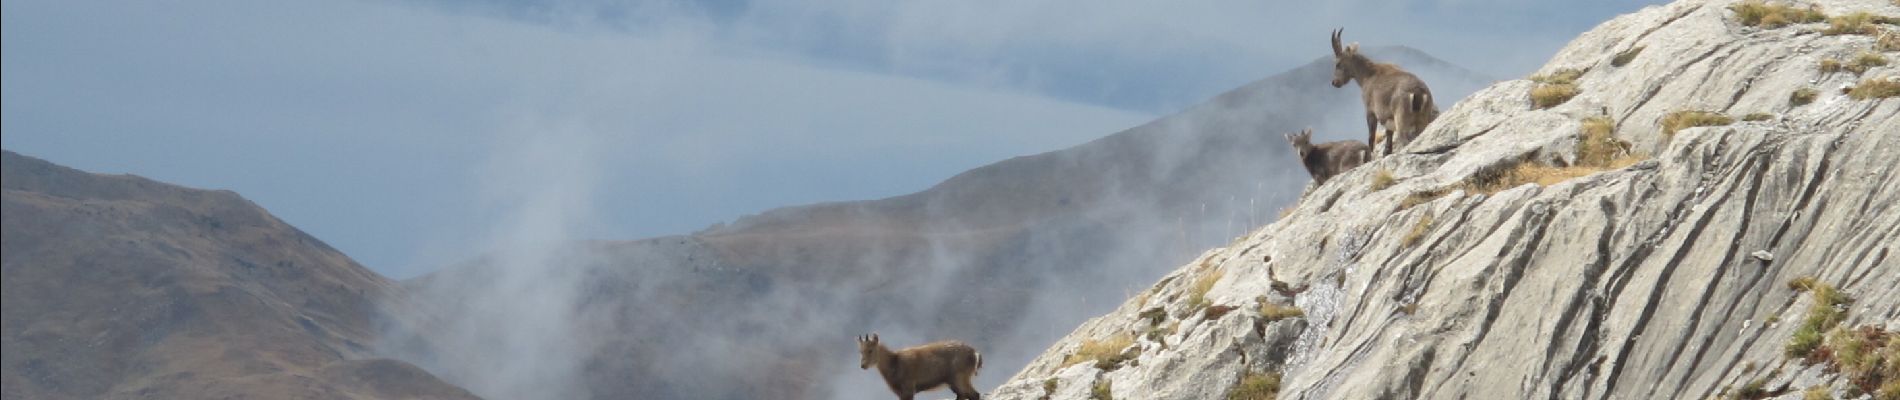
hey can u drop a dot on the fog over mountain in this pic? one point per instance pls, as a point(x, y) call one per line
point(1006, 256)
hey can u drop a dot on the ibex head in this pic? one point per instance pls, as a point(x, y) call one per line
point(1347, 62)
point(1302, 142)
point(869, 351)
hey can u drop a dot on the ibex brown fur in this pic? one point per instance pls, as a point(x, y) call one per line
point(1325, 160)
point(923, 368)
point(1394, 98)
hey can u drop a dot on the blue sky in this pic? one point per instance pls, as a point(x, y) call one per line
point(404, 132)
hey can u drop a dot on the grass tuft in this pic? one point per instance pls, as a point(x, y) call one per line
point(1100, 390)
point(1753, 390)
point(1197, 294)
point(1766, 15)
point(1869, 357)
point(1876, 88)
point(1382, 179)
point(1823, 315)
point(1866, 60)
point(1562, 76)
point(1107, 353)
point(1829, 66)
point(1889, 40)
point(1274, 312)
point(1757, 117)
point(1419, 230)
point(1802, 96)
point(1818, 392)
point(1420, 197)
point(1597, 145)
point(1803, 284)
point(1858, 23)
point(1624, 57)
point(1256, 386)
point(1555, 88)
point(1677, 121)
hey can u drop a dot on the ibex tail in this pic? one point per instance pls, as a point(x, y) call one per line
point(979, 365)
point(1417, 101)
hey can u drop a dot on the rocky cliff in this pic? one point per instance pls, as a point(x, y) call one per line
point(117, 286)
point(1687, 202)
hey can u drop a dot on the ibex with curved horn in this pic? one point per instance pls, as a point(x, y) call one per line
point(1394, 98)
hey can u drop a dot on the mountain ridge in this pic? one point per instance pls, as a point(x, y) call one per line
point(119, 286)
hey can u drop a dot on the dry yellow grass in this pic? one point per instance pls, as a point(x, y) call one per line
point(1275, 312)
point(1858, 23)
point(1802, 96)
point(1197, 294)
point(1099, 350)
point(1555, 88)
point(1551, 95)
point(1420, 197)
point(1889, 40)
point(1382, 179)
point(1829, 66)
point(1767, 15)
point(1597, 144)
point(1256, 386)
point(1498, 179)
point(1866, 60)
point(1419, 230)
point(1677, 121)
point(1559, 77)
point(1876, 88)
point(1756, 117)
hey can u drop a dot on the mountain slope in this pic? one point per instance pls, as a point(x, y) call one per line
point(122, 287)
point(1002, 256)
point(1488, 270)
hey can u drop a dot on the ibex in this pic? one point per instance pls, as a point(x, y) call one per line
point(923, 368)
point(1394, 98)
point(1327, 159)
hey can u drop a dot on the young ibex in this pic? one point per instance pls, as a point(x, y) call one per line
point(1327, 159)
point(923, 368)
point(1394, 98)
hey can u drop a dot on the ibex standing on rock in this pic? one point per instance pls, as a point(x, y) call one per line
point(1327, 159)
point(923, 368)
point(1394, 98)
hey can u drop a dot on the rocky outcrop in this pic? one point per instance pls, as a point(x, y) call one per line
point(1498, 264)
point(117, 286)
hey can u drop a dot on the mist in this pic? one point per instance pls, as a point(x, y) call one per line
point(564, 184)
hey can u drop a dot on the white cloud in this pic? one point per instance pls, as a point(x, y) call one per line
point(362, 122)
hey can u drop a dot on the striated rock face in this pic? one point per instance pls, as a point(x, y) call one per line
point(1668, 278)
